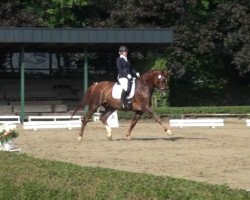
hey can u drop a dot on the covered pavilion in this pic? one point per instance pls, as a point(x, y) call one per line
point(75, 40)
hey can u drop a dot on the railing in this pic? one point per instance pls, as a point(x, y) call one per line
point(196, 122)
point(248, 122)
point(40, 122)
point(9, 119)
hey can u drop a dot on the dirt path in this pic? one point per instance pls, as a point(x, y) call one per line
point(218, 156)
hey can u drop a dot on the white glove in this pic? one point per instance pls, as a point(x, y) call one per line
point(129, 76)
point(137, 74)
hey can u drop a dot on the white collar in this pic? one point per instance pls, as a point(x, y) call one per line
point(124, 57)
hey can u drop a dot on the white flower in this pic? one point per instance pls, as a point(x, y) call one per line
point(7, 127)
point(1, 128)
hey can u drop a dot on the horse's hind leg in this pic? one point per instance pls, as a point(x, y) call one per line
point(85, 121)
point(103, 118)
point(136, 118)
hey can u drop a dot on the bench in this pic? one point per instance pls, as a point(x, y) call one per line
point(39, 122)
point(9, 119)
point(4, 109)
point(248, 122)
point(41, 108)
point(37, 102)
point(196, 122)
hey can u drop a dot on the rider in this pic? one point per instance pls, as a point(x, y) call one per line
point(125, 74)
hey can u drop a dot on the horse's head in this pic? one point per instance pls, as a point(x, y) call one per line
point(161, 80)
point(156, 79)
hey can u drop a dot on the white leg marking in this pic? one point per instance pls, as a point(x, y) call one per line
point(79, 138)
point(109, 135)
point(169, 132)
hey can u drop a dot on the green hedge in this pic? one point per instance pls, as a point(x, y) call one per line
point(178, 111)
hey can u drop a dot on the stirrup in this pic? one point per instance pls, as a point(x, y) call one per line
point(125, 106)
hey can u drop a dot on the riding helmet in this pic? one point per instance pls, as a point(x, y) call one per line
point(123, 49)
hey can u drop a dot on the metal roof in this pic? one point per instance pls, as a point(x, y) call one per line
point(46, 38)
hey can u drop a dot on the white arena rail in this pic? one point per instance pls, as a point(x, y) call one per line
point(39, 122)
point(248, 122)
point(9, 119)
point(196, 122)
point(96, 117)
point(112, 119)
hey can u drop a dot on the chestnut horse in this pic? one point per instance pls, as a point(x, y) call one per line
point(100, 94)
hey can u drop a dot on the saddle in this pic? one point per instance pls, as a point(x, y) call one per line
point(117, 90)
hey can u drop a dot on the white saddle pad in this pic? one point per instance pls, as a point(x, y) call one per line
point(117, 91)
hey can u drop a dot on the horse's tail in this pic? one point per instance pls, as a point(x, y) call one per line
point(85, 99)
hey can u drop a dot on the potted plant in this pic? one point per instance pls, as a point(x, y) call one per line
point(7, 135)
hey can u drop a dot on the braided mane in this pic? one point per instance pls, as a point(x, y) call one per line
point(147, 74)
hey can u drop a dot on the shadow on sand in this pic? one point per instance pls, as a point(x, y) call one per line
point(158, 138)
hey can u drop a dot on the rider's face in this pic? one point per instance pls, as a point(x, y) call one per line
point(125, 53)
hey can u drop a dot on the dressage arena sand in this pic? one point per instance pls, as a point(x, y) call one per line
point(213, 155)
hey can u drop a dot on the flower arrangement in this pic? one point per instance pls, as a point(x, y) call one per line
point(7, 132)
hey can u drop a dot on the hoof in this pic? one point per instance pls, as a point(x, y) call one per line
point(109, 138)
point(169, 132)
point(79, 138)
point(128, 138)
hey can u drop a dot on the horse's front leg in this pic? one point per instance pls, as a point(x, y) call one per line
point(136, 118)
point(158, 120)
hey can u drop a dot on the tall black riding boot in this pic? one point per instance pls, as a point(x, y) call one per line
point(123, 99)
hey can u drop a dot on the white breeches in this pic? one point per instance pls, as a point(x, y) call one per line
point(124, 83)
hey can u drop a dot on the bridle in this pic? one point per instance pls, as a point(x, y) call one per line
point(160, 79)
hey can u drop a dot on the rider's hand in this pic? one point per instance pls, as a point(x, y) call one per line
point(129, 76)
point(137, 74)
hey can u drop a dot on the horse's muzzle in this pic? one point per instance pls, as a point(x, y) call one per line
point(163, 89)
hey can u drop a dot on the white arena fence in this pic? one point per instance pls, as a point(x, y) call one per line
point(9, 119)
point(112, 120)
point(196, 122)
point(40, 122)
point(96, 117)
point(248, 122)
point(37, 122)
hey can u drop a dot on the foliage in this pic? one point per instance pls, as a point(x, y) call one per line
point(32, 178)
point(165, 111)
point(14, 14)
point(160, 98)
point(144, 13)
point(178, 111)
point(210, 52)
point(7, 132)
point(57, 13)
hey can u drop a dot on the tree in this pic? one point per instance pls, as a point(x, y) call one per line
point(211, 47)
point(57, 13)
point(14, 14)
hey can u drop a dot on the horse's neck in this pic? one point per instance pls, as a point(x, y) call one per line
point(147, 87)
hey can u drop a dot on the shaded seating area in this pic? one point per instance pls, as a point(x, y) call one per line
point(65, 40)
point(41, 96)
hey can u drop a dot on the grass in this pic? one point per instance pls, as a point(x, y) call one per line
point(24, 177)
